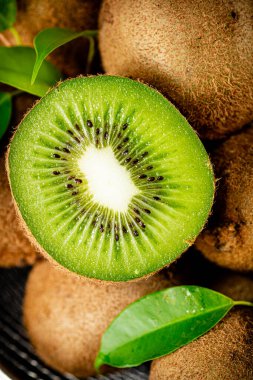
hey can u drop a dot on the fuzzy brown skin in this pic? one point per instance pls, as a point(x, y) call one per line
point(77, 15)
point(15, 248)
point(228, 238)
point(225, 352)
point(65, 316)
point(197, 52)
point(235, 286)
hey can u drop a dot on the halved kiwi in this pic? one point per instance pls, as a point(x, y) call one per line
point(109, 178)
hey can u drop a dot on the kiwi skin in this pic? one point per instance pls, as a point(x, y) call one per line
point(76, 15)
point(197, 52)
point(228, 238)
point(65, 316)
point(15, 248)
point(225, 352)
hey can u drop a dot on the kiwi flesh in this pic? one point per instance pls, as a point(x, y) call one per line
point(65, 315)
point(197, 52)
point(109, 178)
point(228, 238)
point(76, 15)
point(225, 352)
point(15, 248)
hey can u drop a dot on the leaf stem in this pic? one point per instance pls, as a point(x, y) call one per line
point(16, 35)
point(243, 303)
point(4, 40)
point(15, 93)
point(91, 53)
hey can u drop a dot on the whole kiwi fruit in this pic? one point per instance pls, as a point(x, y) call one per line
point(228, 237)
point(197, 52)
point(15, 248)
point(65, 315)
point(225, 352)
point(76, 15)
point(109, 179)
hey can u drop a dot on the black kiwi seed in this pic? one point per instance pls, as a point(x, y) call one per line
point(137, 211)
point(77, 127)
point(137, 220)
point(55, 172)
point(77, 140)
point(160, 178)
point(106, 135)
point(119, 135)
point(136, 233)
point(101, 228)
point(57, 148)
point(119, 147)
point(69, 186)
point(142, 176)
point(116, 237)
point(142, 224)
point(97, 131)
point(128, 159)
point(66, 150)
point(126, 139)
point(70, 178)
point(149, 167)
point(125, 126)
point(125, 152)
point(144, 154)
point(135, 161)
point(151, 179)
point(89, 124)
point(74, 193)
point(147, 211)
point(156, 198)
point(70, 132)
point(77, 180)
point(124, 229)
point(55, 155)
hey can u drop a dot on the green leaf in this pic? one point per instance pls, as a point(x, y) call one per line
point(8, 11)
point(5, 112)
point(160, 323)
point(16, 64)
point(50, 39)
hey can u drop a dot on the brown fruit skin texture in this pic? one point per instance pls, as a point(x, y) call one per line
point(197, 52)
point(235, 286)
point(224, 353)
point(76, 15)
point(228, 238)
point(65, 315)
point(15, 248)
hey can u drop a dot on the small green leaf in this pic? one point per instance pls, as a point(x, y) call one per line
point(16, 65)
point(5, 112)
point(8, 11)
point(50, 39)
point(160, 323)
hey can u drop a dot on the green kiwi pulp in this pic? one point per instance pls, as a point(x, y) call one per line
point(109, 178)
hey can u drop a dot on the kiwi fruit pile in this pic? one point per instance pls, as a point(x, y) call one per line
point(106, 180)
point(63, 311)
point(197, 52)
point(112, 190)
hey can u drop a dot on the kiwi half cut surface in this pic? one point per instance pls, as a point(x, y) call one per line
point(110, 179)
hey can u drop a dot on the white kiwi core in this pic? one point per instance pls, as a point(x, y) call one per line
point(109, 182)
